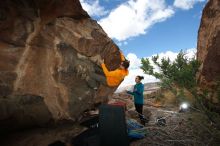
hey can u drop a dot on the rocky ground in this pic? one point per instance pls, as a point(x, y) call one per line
point(192, 127)
point(182, 129)
point(188, 128)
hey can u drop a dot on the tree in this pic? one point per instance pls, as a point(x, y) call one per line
point(181, 72)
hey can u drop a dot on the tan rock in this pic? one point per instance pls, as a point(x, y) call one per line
point(45, 57)
point(209, 45)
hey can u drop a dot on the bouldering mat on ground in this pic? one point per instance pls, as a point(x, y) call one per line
point(112, 126)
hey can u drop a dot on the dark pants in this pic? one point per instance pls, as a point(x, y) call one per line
point(139, 109)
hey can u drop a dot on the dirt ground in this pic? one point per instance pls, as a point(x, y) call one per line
point(190, 128)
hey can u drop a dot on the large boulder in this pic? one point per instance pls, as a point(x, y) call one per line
point(209, 48)
point(48, 49)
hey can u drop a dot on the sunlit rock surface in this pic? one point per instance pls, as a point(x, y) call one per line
point(209, 46)
point(47, 51)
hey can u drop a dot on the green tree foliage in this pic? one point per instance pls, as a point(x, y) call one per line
point(181, 72)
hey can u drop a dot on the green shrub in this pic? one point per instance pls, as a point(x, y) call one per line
point(180, 72)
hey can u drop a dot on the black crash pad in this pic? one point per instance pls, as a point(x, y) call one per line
point(112, 126)
point(111, 129)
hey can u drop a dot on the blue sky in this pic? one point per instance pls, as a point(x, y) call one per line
point(142, 28)
point(176, 33)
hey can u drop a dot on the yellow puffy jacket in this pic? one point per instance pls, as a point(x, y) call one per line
point(115, 77)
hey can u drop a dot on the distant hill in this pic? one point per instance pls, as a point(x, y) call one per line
point(148, 87)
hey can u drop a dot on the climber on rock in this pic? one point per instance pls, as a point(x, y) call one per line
point(112, 78)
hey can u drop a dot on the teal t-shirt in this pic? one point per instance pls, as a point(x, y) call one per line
point(138, 93)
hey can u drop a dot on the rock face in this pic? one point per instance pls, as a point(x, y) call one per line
point(48, 50)
point(209, 45)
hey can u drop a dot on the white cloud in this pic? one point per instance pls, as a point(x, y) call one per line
point(190, 53)
point(134, 18)
point(134, 61)
point(135, 64)
point(170, 54)
point(186, 4)
point(93, 8)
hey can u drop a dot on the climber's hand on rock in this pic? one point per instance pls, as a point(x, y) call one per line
point(96, 59)
point(101, 61)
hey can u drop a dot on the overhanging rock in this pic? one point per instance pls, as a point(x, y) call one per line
point(47, 52)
